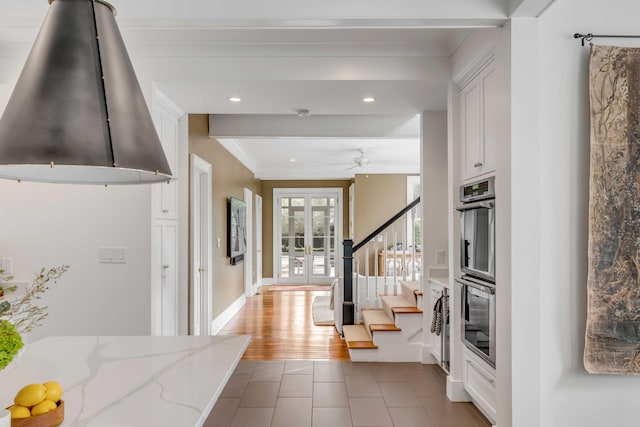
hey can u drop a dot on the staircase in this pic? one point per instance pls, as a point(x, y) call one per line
point(391, 333)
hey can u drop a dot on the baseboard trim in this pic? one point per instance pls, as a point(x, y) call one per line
point(219, 322)
point(427, 356)
point(456, 391)
point(267, 281)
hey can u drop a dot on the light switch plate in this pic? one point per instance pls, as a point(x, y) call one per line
point(218, 242)
point(440, 256)
point(112, 255)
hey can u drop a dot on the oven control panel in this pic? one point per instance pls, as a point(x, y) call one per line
point(478, 190)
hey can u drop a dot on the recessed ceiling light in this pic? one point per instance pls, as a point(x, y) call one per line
point(368, 99)
point(235, 99)
point(292, 160)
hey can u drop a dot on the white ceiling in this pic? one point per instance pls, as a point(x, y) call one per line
point(283, 55)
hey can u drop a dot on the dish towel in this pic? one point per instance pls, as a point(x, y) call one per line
point(436, 322)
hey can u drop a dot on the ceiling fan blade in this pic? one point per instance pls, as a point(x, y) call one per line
point(352, 167)
point(340, 164)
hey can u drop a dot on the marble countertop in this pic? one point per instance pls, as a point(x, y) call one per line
point(129, 381)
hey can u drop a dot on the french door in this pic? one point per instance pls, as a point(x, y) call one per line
point(308, 226)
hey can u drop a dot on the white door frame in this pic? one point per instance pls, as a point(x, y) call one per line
point(249, 289)
point(258, 242)
point(200, 270)
point(277, 192)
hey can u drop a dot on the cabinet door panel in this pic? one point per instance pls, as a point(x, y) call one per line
point(471, 132)
point(169, 196)
point(169, 279)
point(491, 118)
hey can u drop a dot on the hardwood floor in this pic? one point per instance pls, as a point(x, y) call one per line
point(281, 326)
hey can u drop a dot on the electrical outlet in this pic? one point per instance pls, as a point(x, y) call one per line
point(440, 256)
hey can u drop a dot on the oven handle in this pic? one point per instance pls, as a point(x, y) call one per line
point(485, 287)
point(487, 204)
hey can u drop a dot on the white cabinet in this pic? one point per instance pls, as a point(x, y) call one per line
point(164, 274)
point(479, 121)
point(165, 195)
point(480, 383)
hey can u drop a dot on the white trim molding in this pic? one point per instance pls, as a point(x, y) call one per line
point(219, 322)
point(456, 391)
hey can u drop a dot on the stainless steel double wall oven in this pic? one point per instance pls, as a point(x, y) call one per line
point(477, 262)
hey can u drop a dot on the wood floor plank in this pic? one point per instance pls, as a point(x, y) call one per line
point(281, 328)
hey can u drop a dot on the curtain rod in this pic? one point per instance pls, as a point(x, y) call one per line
point(590, 36)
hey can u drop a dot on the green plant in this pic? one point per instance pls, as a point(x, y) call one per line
point(26, 314)
point(10, 342)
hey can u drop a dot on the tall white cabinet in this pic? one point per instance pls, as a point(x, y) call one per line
point(479, 121)
point(166, 231)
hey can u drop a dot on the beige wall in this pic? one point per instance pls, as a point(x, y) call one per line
point(378, 198)
point(230, 177)
point(267, 213)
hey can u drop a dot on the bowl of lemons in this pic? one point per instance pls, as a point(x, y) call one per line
point(38, 405)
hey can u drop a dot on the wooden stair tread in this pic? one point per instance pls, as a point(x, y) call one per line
point(361, 345)
point(386, 327)
point(406, 310)
point(418, 293)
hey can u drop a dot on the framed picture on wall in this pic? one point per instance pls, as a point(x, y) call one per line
point(236, 230)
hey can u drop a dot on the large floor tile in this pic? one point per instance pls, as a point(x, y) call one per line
point(254, 417)
point(474, 413)
point(362, 386)
point(369, 412)
point(444, 412)
point(427, 387)
point(357, 368)
point(331, 417)
point(292, 412)
point(222, 413)
point(330, 395)
point(399, 394)
point(235, 386)
point(296, 386)
point(325, 372)
point(269, 371)
point(245, 367)
point(298, 367)
point(414, 416)
point(260, 395)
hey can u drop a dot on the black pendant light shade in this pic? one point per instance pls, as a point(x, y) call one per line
point(77, 114)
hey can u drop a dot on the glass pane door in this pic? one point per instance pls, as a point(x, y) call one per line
point(308, 237)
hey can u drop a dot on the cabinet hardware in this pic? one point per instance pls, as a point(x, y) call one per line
point(201, 269)
point(477, 164)
point(165, 266)
point(165, 210)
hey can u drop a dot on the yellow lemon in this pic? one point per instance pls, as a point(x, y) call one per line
point(43, 407)
point(54, 391)
point(30, 395)
point(19, 411)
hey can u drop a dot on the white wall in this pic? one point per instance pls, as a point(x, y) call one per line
point(54, 224)
point(568, 395)
point(434, 187)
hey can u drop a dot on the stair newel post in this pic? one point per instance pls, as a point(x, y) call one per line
point(356, 289)
point(348, 312)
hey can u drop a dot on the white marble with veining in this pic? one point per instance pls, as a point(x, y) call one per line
point(127, 380)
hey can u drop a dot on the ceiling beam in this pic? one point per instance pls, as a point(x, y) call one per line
point(327, 126)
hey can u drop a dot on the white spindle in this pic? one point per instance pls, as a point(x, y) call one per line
point(357, 285)
point(386, 264)
point(375, 268)
point(395, 262)
point(366, 274)
point(405, 264)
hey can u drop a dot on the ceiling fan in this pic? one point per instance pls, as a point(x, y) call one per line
point(358, 162)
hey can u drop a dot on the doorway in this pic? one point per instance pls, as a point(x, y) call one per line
point(201, 246)
point(249, 288)
point(307, 229)
point(258, 209)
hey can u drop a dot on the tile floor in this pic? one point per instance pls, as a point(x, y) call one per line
point(339, 394)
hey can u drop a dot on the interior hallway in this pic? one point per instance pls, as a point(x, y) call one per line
point(299, 375)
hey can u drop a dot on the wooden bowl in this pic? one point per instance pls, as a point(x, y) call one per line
point(50, 419)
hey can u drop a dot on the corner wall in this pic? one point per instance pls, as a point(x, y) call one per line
point(230, 177)
point(569, 396)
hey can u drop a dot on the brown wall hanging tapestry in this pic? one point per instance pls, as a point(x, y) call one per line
point(612, 344)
